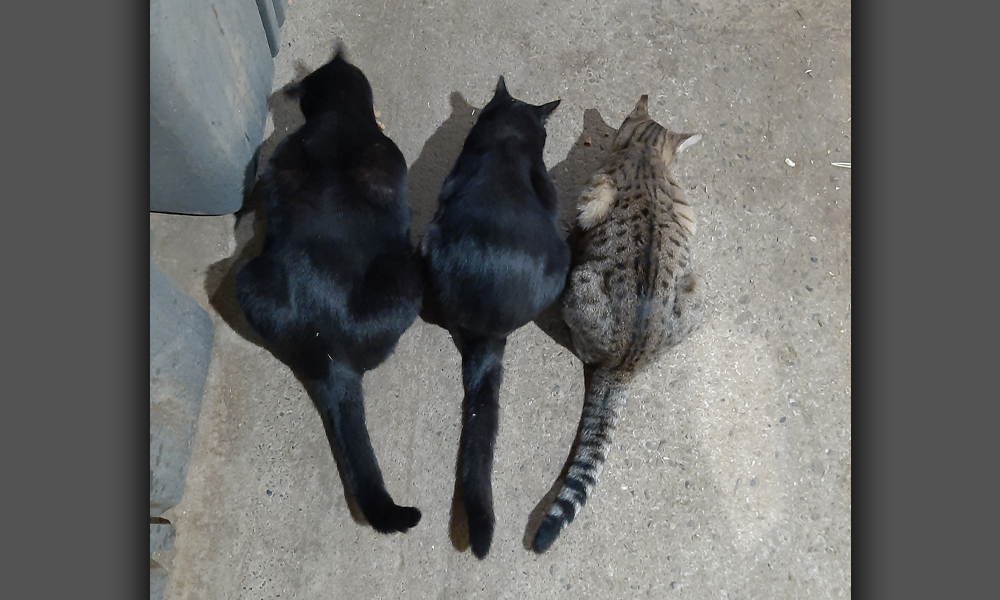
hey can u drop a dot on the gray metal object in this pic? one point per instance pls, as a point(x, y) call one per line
point(161, 537)
point(279, 10)
point(271, 16)
point(180, 347)
point(210, 76)
point(210, 73)
point(157, 580)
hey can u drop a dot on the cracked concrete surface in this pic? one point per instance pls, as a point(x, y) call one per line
point(730, 475)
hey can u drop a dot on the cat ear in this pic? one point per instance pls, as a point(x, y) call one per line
point(679, 142)
point(642, 105)
point(641, 108)
point(545, 110)
point(501, 88)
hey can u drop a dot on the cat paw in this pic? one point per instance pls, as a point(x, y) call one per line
point(393, 518)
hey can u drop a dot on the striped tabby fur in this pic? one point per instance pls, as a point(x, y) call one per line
point(631, 293)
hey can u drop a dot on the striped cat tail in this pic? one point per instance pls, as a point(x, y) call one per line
point(603, 402)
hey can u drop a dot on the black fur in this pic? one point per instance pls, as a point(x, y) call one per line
point(337, 282)
point(493, 260)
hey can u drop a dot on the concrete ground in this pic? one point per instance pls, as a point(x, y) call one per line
point(730, 475)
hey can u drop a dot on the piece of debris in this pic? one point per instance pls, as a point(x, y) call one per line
point(842, 165)
point(587, 142)
point(380, 125)
point(789, 162)
point(377, 114)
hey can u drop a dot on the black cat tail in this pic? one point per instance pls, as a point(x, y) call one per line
point(341, 403)
point(603, 402)
point(482, 372)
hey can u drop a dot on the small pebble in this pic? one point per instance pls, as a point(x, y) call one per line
point(789, 162)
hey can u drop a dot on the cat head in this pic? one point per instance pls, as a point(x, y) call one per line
point(337, 85)
point(640, 130)
point(506, 115)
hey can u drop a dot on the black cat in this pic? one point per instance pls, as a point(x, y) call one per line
point(337, 282)
point(493, 259)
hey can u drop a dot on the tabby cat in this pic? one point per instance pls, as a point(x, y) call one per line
point(493, 259)
point(337, 282)
point(631, 293)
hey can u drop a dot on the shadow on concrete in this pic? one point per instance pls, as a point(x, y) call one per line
point(440, 151)
point(425, 178)
point(569, 177)
point(537, 514)
point(586, 155)
point(250, 226)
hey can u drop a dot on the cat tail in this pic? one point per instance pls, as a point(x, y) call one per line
point(606, 392)
point(340, 401)
point(482, 372)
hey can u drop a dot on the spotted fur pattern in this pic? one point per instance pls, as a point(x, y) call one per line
point(631, 293)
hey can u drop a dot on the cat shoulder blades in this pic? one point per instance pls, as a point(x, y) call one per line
point(597, 200)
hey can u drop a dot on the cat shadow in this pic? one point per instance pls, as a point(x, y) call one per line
point(458, 524)
point(425, 177)
point(249, 231)
point(428, 172)
point(570, 177)
point(584, 157)
point(249, 228)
